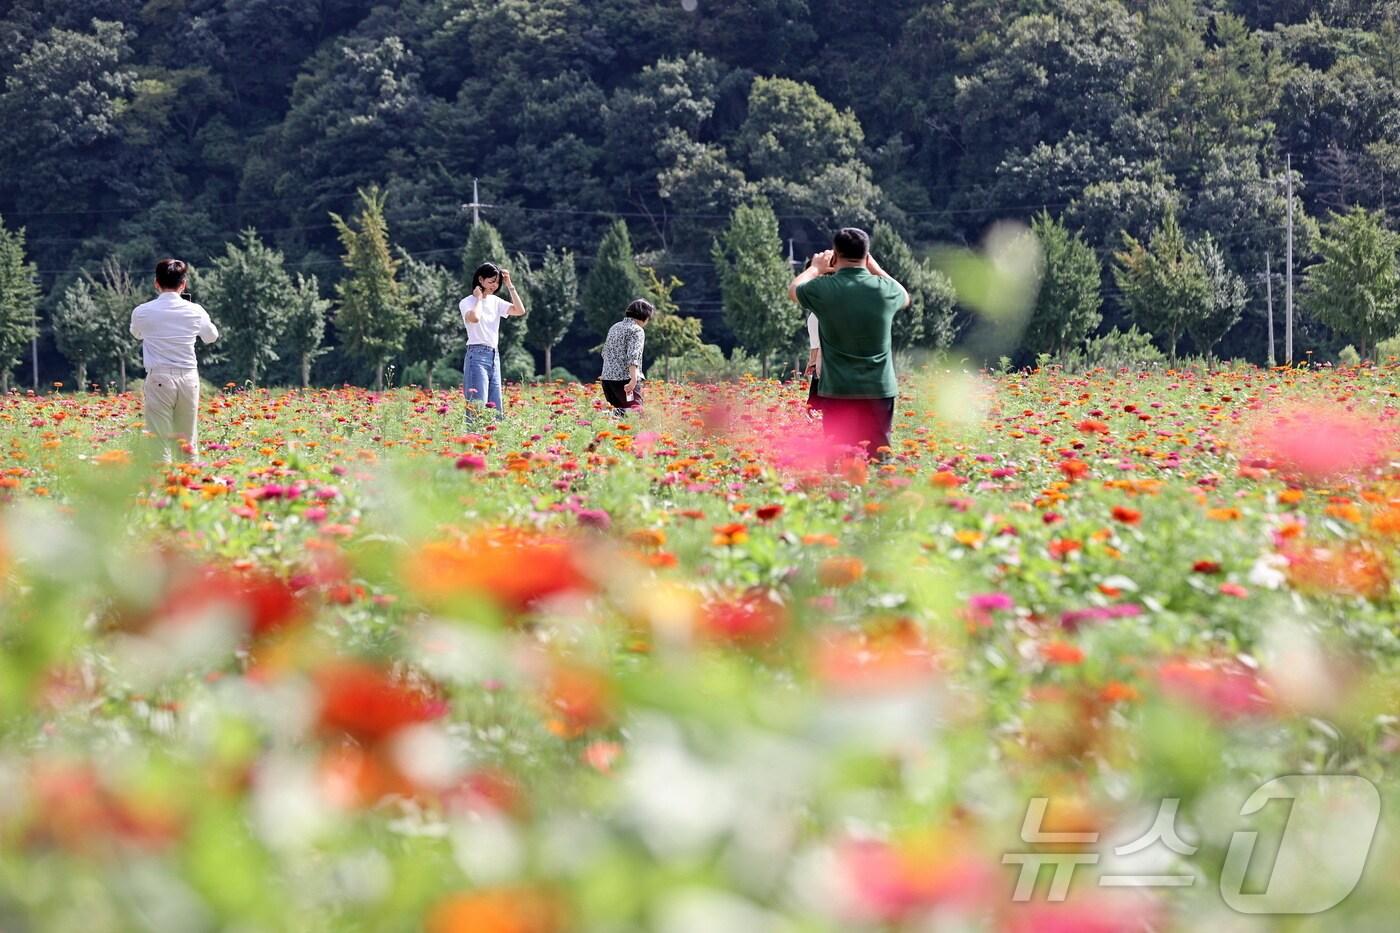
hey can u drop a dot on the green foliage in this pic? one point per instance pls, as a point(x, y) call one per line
point(247, 296)
point(669, 335)
point(1164, 285)
point(613, 280)
point(437, 332)
point(80, 329)
point(1228, 297)
point(1355, 288)
point(929, 319)
point(483, 245)
point(1066, 308)
point(553, 302)
point(754, 278)
point(1130, 349)
point(373, 316)
point(305, 330)
point(19, 300)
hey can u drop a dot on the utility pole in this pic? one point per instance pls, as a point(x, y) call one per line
point(792, 259)
point(1269, 293)
point(476, 205)
point(1288, 299)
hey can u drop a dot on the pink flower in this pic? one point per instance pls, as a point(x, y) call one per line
point(471, 462)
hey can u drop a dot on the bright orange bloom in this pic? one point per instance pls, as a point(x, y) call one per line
point(731, 534)
point(498, 910)
point(1061, 652)
point(1350, 569)
point(514, 567)
point(1224, 514)
point(1060, 548)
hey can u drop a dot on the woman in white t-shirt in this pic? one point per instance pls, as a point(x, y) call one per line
point(482, 311)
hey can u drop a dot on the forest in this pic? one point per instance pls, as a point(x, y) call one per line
point(686, 150)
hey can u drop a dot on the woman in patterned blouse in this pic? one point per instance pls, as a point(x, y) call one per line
point(622, 357)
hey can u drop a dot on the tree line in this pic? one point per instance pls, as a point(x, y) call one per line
point(1171, 121)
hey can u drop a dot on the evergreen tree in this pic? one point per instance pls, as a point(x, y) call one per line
point(248, 297)
point(305, 328)
point(117, 296)
point(80, 329)
point(1228, 296)
point(437, 332)
point(753, 278)
point(1164, 285)
point(613, 282)
point(19, 301)
point(1067, 306)
point(374, 314)
point(554, 299)
point(1355, 288)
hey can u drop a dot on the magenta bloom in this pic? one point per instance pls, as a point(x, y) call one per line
point(990, 602)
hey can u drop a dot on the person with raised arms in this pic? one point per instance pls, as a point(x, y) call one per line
point(482, 312)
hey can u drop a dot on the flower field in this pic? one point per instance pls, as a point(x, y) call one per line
point(364, 667)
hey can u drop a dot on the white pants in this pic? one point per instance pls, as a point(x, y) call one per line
point(172, 403)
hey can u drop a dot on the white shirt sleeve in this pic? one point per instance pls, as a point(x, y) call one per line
point(135, 322)
point(813, 333)
point(207, 331)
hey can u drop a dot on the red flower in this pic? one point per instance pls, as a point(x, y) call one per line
point(367, 703)
point(754, 619)
point(1126, 515)
point(766, 513)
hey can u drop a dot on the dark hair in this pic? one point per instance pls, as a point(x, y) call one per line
point(487, 270)
point(640, 310)
point(171, 273)
point(851, 243)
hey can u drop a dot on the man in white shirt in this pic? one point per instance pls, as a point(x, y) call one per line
point(482, 311)
point(167, 328)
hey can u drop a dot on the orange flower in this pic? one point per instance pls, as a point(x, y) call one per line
point(731, 534)
point(1074, 470)
point(1352, 569)
point(1060, 548)
point(498, 910)
point(967, 537)
point(1115, 691)
point(578, 700)
point(648, 537)
point(1224, 514)
point(1061, 652)
point(840, 571)
point(514, 567)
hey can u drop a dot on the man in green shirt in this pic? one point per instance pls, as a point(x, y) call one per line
point(854, 301)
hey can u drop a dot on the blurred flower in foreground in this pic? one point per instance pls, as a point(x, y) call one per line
point(1351, 568)
point(1320, 444)
point(893, 881)
point(497, 910)
point(515, 567)
point(1225, 689)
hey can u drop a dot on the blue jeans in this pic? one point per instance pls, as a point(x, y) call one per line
point(481, 377)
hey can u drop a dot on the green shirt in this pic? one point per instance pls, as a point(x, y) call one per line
point(854, 312)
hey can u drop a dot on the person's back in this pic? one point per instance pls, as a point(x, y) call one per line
point(858, 311)
point(167, 327)
point(854, 301)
